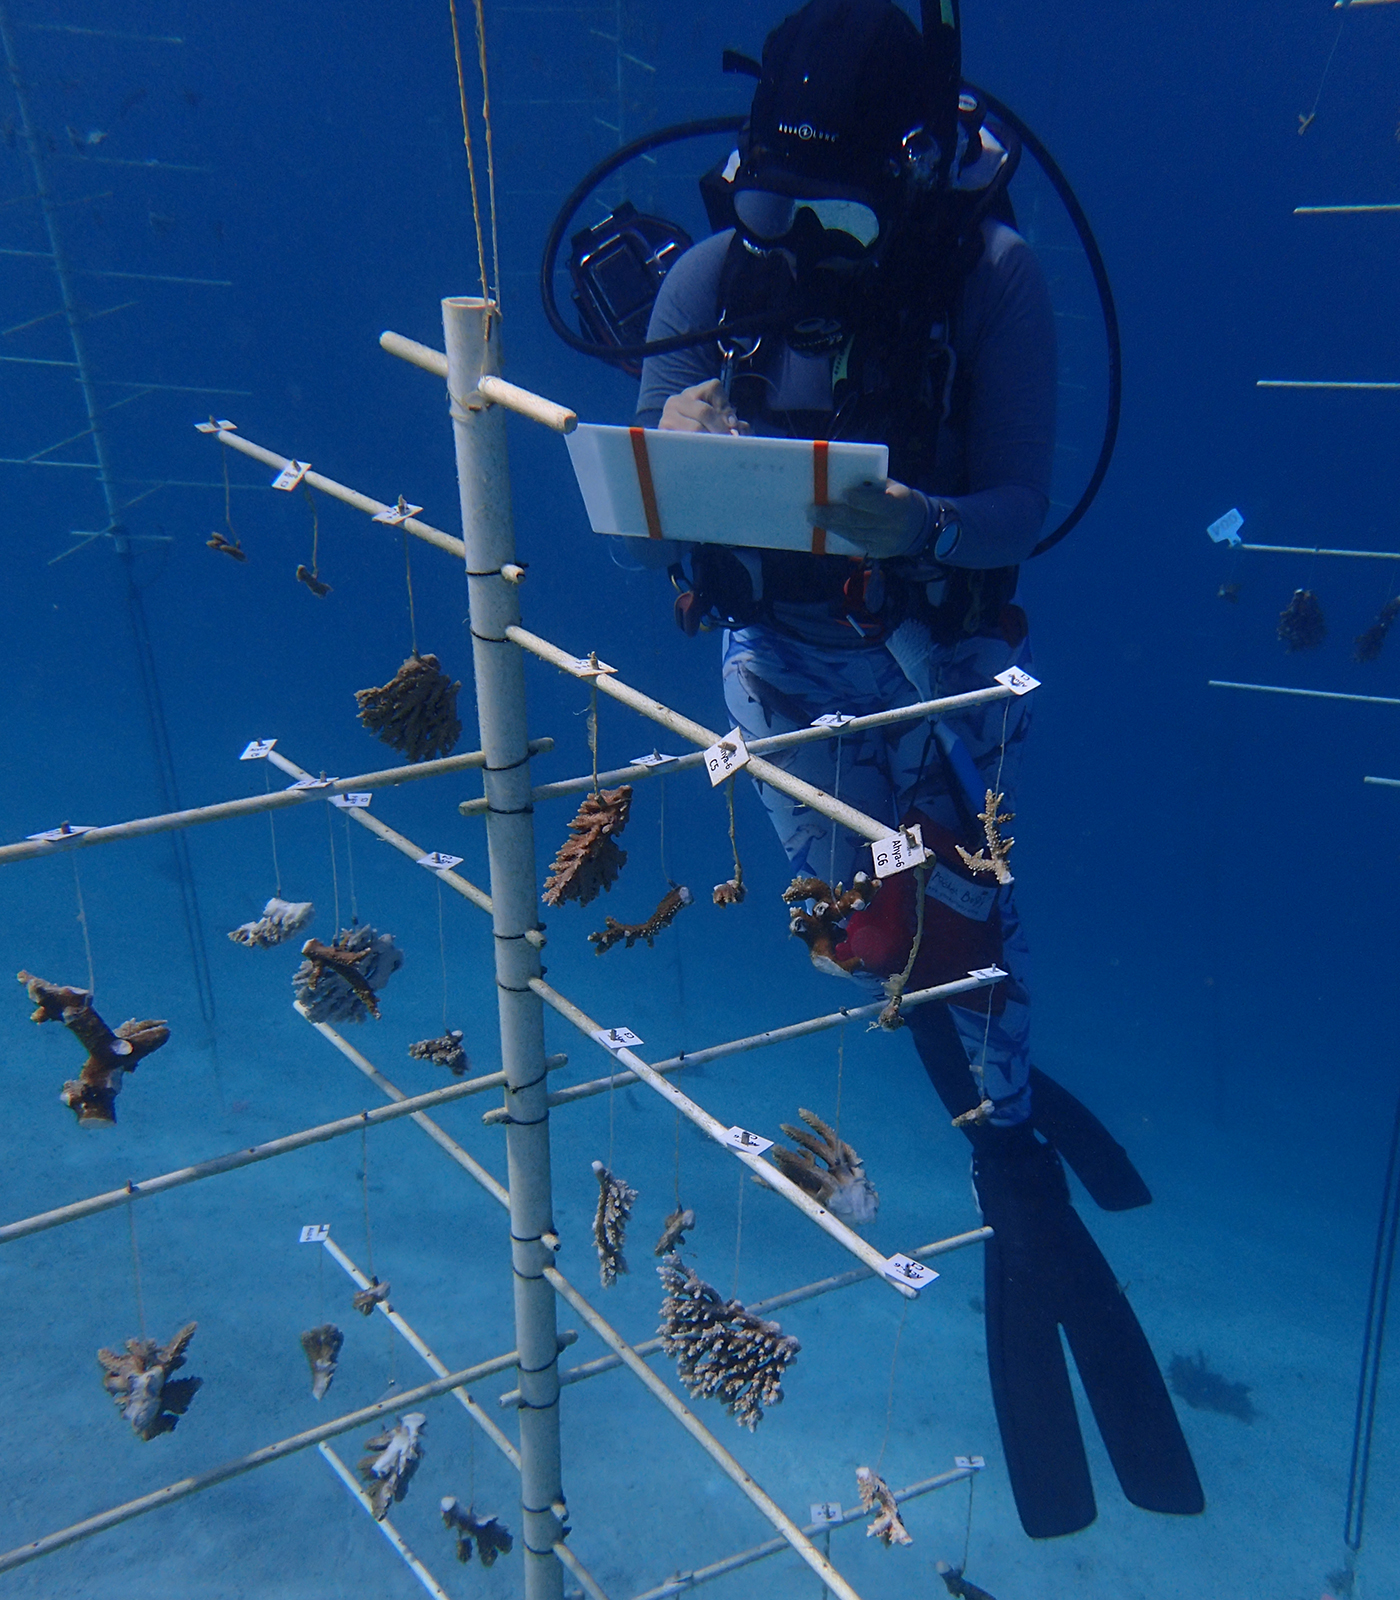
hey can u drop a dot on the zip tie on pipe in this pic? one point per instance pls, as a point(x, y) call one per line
point(387, 1528)
point(1307, 694)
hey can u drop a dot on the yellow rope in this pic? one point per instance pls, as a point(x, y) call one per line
point(467, 141)
point(490, 150)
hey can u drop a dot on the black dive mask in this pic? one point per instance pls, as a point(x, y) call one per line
point(828, 268)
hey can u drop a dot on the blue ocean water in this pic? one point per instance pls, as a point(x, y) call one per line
point(1204, 876)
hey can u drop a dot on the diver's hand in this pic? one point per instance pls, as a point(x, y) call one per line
point(883, 519)
point(702, 409)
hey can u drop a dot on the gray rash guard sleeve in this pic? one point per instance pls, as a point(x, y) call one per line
point(994, 473)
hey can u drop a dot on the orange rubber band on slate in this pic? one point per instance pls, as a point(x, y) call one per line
point(644, 483)
point(819, 492)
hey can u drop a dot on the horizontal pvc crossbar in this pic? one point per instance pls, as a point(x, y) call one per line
point(492, 389)
point(387, 1528)
point(1308, 550)
point(1306, 694)
point(756, 1041)
point(1384, 783)
point(1330, 211)
point(251, 805)
point(806, 794)
point(949, 705)
point(776, 1180)
point(405, 1400)
point(235, 1160)
point(1317, 383)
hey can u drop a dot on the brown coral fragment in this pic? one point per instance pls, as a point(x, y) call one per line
point(92, 1096)
point(1368, 645)
point(322, 1347)
point(416, 711)
point(339, 982)
point(840, 1184)
point(677, 1225)
point(492, 1538)
point(673, 902)
point(392, 1460)
point(731, 892)
point(610, 1223)
point(346, 964)
point(367, 1299)
point(227, 547)
point(1301, 624)
point(589, 860)
point(139, 1382)
point(888, 1526)
point(320, 588)
point(444, 1052)
point(821, 928)
point(991, 859)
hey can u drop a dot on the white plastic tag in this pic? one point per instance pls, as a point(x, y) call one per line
point(1226, 529)
point(655, 759)
point(826, 1511)
point(586, 667)
point(617, 1038)
point(904, 1269)
point(258, 749)
point(832, 719)
point(724, 759)
point(971, 900)
point(217, 425)
point(1017, 681)
point(438, 862)
point(753, 1144)
point(69, 830)
point(352, 802)
point(970, 1463)
point(397, 514)
point(989, 974)
point(312, 783)
point(315, 1233)
point(291, 475)
point(899, 852)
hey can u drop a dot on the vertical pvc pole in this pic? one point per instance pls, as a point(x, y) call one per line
point(473, 335)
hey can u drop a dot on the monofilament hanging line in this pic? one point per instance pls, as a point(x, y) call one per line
point(364, 1190)
point(739, 1230)
point(471, 154)
point(83, 924)
point(442, 952)
point(967, 1532)
point(1305, 122)
point(315, 525)
point(835, 795)
point(889, 1406)
point(135, 1263)
point(272, 829)
point(490, 150)
point(593, 723)
point(335, 876)
point(408, 579)
point(350, 871)
point(228, 494)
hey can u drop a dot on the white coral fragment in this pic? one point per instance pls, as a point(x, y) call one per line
point(610, 1223)
point(279, 921)
point(888, 1526)
point(393, 1459)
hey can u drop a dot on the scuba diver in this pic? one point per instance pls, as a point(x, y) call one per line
point(872, 233)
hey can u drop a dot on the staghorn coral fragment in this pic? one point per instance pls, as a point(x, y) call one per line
point(279, 921)
point(322, 1347)
point(338, 982)
point(888, 1527)
point(731, 892)
point(589, 860)
point(416, 711)
point(610, 1223)
point(227, 547)
point(319, 587)
point(672, 903)
point(721, 1350)
point(492, 1539)
point(1368, 645)
point(976, 1116)
point(392, 1461)
point(92, 1096)
point(678, 1224)
point(840, 1184)
point(444, 1052)
point(821, 928)
point(366, 1300)
point(991, 859)
point(140, 1385)
point(1301, 624)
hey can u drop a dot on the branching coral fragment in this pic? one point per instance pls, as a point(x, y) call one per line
point(139, 1382)
point(392, 1461)
point(227, 547)
point(888, 1527)
point(678, 1224)
point(991, 860)
point(320, 588)
point(1301, 624)
point(92, 1096)
point(610, 1223)
point(840, 1184)
point(721, 1350)
point(673, 902)
point(338, 982)
point(589, 860)
point(820, 929)
point(279, 921)
point(492, 1539)
point(1369, 644)
point(444, 1052)
point(366, 1300)
point(322, 1347)
point(416, 711)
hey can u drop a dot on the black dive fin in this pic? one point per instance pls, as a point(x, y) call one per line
point(1095, 1157)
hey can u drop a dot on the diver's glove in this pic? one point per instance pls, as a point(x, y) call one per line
point(885, 520)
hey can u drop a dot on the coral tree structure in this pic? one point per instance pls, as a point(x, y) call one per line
point(322, 1347)
point(840, 1184)
point(678, 1224)
point(366, 1300)
point(392, 1460)
point(140, 1385)
point(721, 1349)
point(888, 1527)
point(610, 1223)
point(821, 928)
point(673, 902)
point(589, 860)
point(92, 1096)
point(279, 921)
point(1301, 624)
point(416, 711)
point(338, 982)
point(991, 860)
point(444, 1052)
point(492, 1539)
point(1368, 645)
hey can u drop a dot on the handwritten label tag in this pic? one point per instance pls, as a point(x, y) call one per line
point(617, 1038)
point(970, 1463)
point(315, 1233)
point(1017, 681)
point(1226, 529)
point(826, 1511)
point(899, 852)
point(69, 830)
point(258, 749)
point(291, 475)
point(724, 759)
point(397, 514)
point(217, 425)
point(971, 900)
point(904, 1269)
point(655, 759)
point(438, 862)
point(589, 667)
point(989, 974)
point(753, 1144)
point(832, 719)
point(352, 802)
point(312, 783)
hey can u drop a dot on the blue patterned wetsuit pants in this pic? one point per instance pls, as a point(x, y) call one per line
point(773, 684)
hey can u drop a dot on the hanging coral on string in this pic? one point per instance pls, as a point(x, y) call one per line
point(226, 547)
point(672, 904)
point(366, 1300)
point(322, 1347)
point(392, 1460)
point(140, 1385)
point(822, 927)
point(991, 860)
point(339, 982)
point(1301, 624)
point(721, 1350)
point(677, 1225)
point(1369, 644)
point(416, 711)
point(310, 576)
point(840, 1184)
point(446, 1052)
point(589, 860)
point(92, 1096)
point(731, 892)
point(888, 1526)
point(610, 1223)
point(492, 1539)
point(279, 921)
point(958, 1586)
